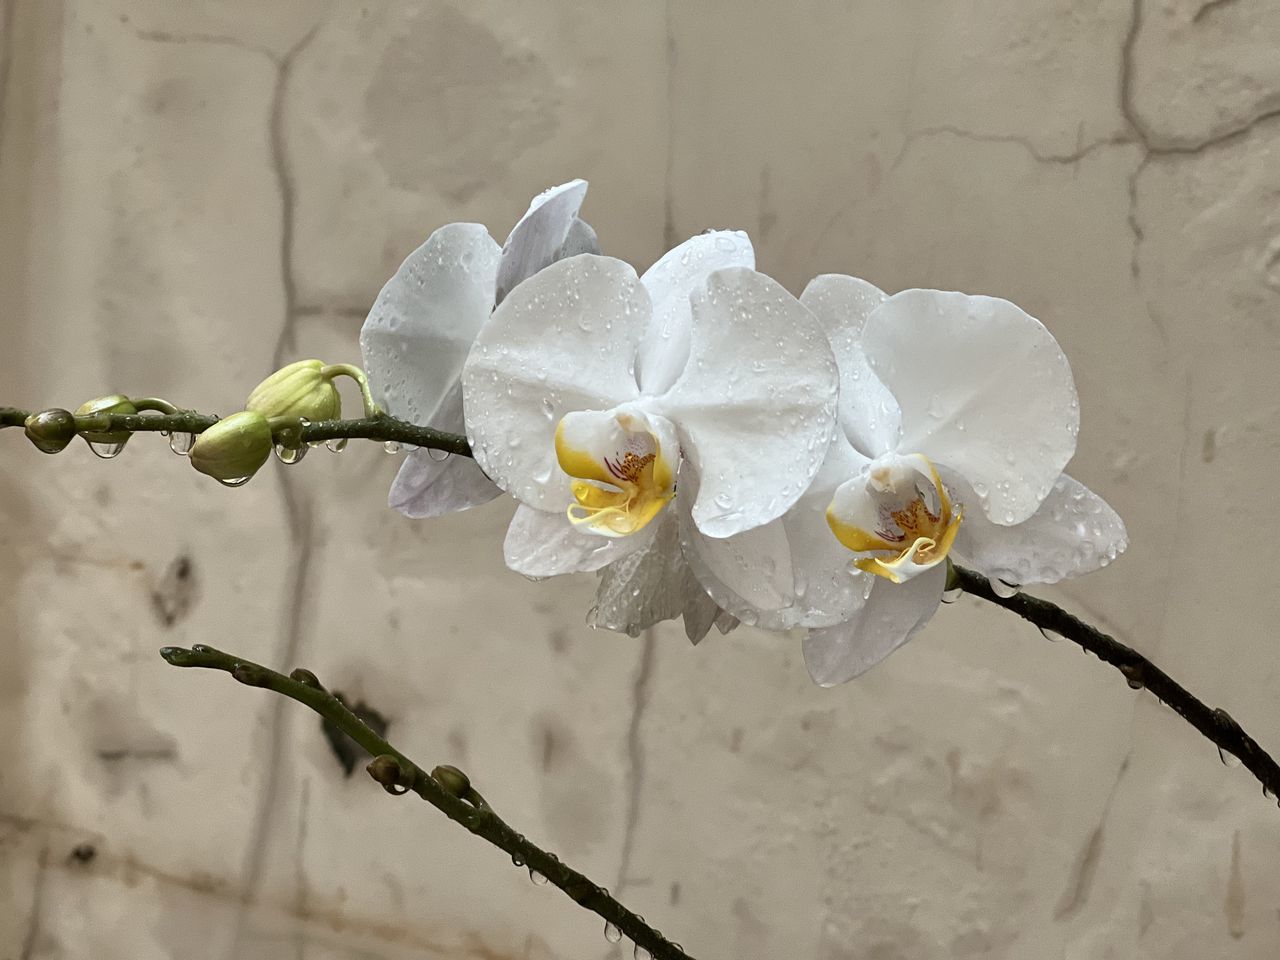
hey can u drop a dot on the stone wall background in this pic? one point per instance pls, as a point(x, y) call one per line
point(190, 191)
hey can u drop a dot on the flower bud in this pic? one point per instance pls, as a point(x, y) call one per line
point(51, 430)
point(116, 403)
point(452, 780)
point(234, 448)
point(298, 390)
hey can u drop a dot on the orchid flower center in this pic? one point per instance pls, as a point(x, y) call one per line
point(899, 517)
point(622, 476)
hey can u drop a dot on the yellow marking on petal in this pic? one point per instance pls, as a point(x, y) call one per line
point(635, 490)
point(931, 536)
point(855, 538)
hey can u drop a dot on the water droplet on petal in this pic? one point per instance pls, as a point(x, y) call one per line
point(105, 450)
point(1228, 758)
point(180, 443)
point(437, 455)
point(391, 446)
point(612, 933)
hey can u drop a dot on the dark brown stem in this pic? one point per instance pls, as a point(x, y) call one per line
point(1215, 723)
point(445, 788)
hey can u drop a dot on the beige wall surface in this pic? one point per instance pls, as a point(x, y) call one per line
point(190, 191)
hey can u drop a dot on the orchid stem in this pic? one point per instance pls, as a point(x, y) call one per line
point(1215, 723)
point(446, 788)
point(380, 427)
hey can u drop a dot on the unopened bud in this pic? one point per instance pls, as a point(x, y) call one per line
point(51, 430)
point(116, 403)
point(302, 389)
point(234, 448)
point(452, 780)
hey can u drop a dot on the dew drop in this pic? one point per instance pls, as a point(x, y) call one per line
point(234, 482)
point(290, 454)
point(1266, 791)
point(391, 446)
point(640, 953)
point(439, 456)
point(1004, 589)
point(105, 450)
point(952, 595)
point(1228, 758)
point(612, 933)
point(180, 443)
point(336, 445)
point(517, 860)
point(1051, 635)
point(536, 878)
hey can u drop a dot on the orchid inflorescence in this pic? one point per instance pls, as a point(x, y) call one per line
point(719, 450)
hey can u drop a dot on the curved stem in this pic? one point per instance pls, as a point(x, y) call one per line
point(381, 428)
point(446, 789)
point(1215, 723)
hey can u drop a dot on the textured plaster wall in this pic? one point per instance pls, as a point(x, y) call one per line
point(191, 192)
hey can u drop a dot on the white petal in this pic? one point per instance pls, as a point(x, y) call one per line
point(425, 487)
point(580, 239)
point(420, 328)
point(670, 282)
point(564, 340)
point(755, 406)
point(644, 587)
point(869, 413)
point(539, 239)
point(984, 388)
point(1074, 532)
point(542, 544)
point(891, 616)
point(700, 611)
point(824, 590)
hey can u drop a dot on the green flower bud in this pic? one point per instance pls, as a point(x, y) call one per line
point(233, 449)
point(116, 403)
point(302, 389)
point(51, 430)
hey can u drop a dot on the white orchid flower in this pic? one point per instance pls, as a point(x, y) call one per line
point(597, 398)
point(958, 414)
point(422, 324)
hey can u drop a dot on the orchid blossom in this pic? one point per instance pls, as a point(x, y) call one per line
point(957, 415)
point(597, 399)
point(422, 324)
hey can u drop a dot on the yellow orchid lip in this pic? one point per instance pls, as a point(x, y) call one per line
point(916, 538)
point(618, 492)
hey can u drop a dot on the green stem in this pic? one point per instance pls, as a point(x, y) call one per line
point(1215, 723)
point(371, 409)
point(381, 428)
point(446, 789)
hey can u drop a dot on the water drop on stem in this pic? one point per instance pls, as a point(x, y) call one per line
point(437, 455)
point(612, 933)
point(180, 443)
point(1051, 635)
point(391, 446)
point(1228, 758)
point(952, 595)
point(536, 878)
point(336, 445)
point(290, 455)
point(1003, 588)
point(640, 953)
point(106, 451)
point(234, 482)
